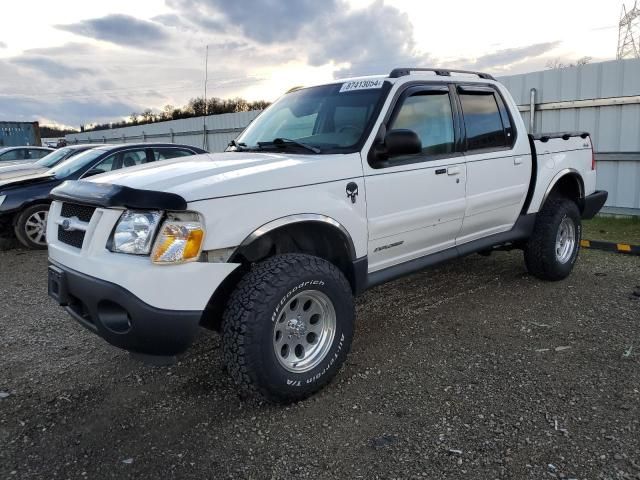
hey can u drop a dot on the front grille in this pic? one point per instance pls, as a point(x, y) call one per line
point(82, 213)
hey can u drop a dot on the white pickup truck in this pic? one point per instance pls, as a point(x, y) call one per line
point(332, 190)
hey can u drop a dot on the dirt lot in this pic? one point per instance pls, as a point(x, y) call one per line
point(472, 370)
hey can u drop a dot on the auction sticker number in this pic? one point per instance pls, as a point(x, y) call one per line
point(361, 85)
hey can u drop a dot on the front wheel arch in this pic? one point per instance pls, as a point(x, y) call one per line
point(316, 238)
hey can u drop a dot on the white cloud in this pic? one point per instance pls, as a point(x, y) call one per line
point(99, 61)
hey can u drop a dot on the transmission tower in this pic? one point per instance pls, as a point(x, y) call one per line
point(629, 33)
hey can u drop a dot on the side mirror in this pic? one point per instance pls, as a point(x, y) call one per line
point(92, 172)
point(402, 142)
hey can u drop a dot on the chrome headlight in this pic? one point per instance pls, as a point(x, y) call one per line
point(134, 232)
point(179, 240)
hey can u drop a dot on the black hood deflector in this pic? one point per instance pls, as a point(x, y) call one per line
point(109, 195)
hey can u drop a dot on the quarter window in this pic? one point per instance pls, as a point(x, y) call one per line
point(430, 116)
point(482, 121)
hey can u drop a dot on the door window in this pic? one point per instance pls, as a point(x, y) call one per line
point(429, 115)
point(119, 160)
point(17, 154)
point(482, 121)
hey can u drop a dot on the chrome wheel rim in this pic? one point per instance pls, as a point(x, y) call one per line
point(565, 240)
point(35, 228)
point(304, 331)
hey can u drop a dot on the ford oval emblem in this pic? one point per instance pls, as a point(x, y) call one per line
point(66, 224)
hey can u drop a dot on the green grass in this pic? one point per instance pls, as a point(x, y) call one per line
point(612, 229)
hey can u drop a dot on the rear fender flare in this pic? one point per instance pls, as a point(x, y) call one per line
point(567, 172)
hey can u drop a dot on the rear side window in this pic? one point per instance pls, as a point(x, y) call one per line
point(482, 121)
point(430, 116)
point(167, 153)
point(37, 153)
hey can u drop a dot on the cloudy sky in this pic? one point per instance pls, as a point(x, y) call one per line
point(73, 62)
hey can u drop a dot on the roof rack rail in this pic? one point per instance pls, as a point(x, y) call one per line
point(444, 72)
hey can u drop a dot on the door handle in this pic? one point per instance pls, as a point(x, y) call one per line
point(517, 160)
point(453, 171)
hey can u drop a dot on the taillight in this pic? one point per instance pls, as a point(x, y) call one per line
point(593, 159)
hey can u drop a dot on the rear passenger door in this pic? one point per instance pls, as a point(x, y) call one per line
point(497, 175)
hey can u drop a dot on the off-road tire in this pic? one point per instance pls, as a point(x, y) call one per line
point(20, 226)
point(540, 250)
point(254, 307)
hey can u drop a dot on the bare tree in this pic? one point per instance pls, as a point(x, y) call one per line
point(148, 116)
point(195, 107)
point(556, 64)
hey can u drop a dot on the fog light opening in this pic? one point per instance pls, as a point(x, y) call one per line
point(113, 317)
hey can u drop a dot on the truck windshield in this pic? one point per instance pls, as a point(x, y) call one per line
point(328, 118)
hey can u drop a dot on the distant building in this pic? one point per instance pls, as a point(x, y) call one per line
point(14, 134)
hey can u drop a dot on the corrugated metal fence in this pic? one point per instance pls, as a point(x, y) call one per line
point(601, 98)
point(221, 129)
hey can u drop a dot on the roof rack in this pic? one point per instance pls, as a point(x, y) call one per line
point(444, 72)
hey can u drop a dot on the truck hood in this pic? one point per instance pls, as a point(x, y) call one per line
point(235, 173)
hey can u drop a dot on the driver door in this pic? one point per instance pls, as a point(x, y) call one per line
point(416, 203)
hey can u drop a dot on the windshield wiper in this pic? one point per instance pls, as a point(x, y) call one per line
point(281, 142)
point(237, 145)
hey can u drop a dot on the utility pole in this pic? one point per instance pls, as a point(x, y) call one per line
point(629, 33)
point(205, 139)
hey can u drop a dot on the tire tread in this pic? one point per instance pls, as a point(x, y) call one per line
point(246, 308)
point(539, 254)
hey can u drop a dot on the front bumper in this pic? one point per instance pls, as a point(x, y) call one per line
point(121, 318)
point(593, 203)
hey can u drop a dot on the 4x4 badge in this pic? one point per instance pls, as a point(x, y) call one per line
point(352, 191)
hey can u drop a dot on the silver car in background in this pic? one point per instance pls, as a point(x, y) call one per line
point(14, 171)
point(24, 154)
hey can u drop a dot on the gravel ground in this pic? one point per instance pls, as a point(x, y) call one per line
point(472, 370)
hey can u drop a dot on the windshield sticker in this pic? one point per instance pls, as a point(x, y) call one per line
point(361, 85)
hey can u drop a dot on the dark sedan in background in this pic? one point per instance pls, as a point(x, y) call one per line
point(14, 172)
point(24, 203)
